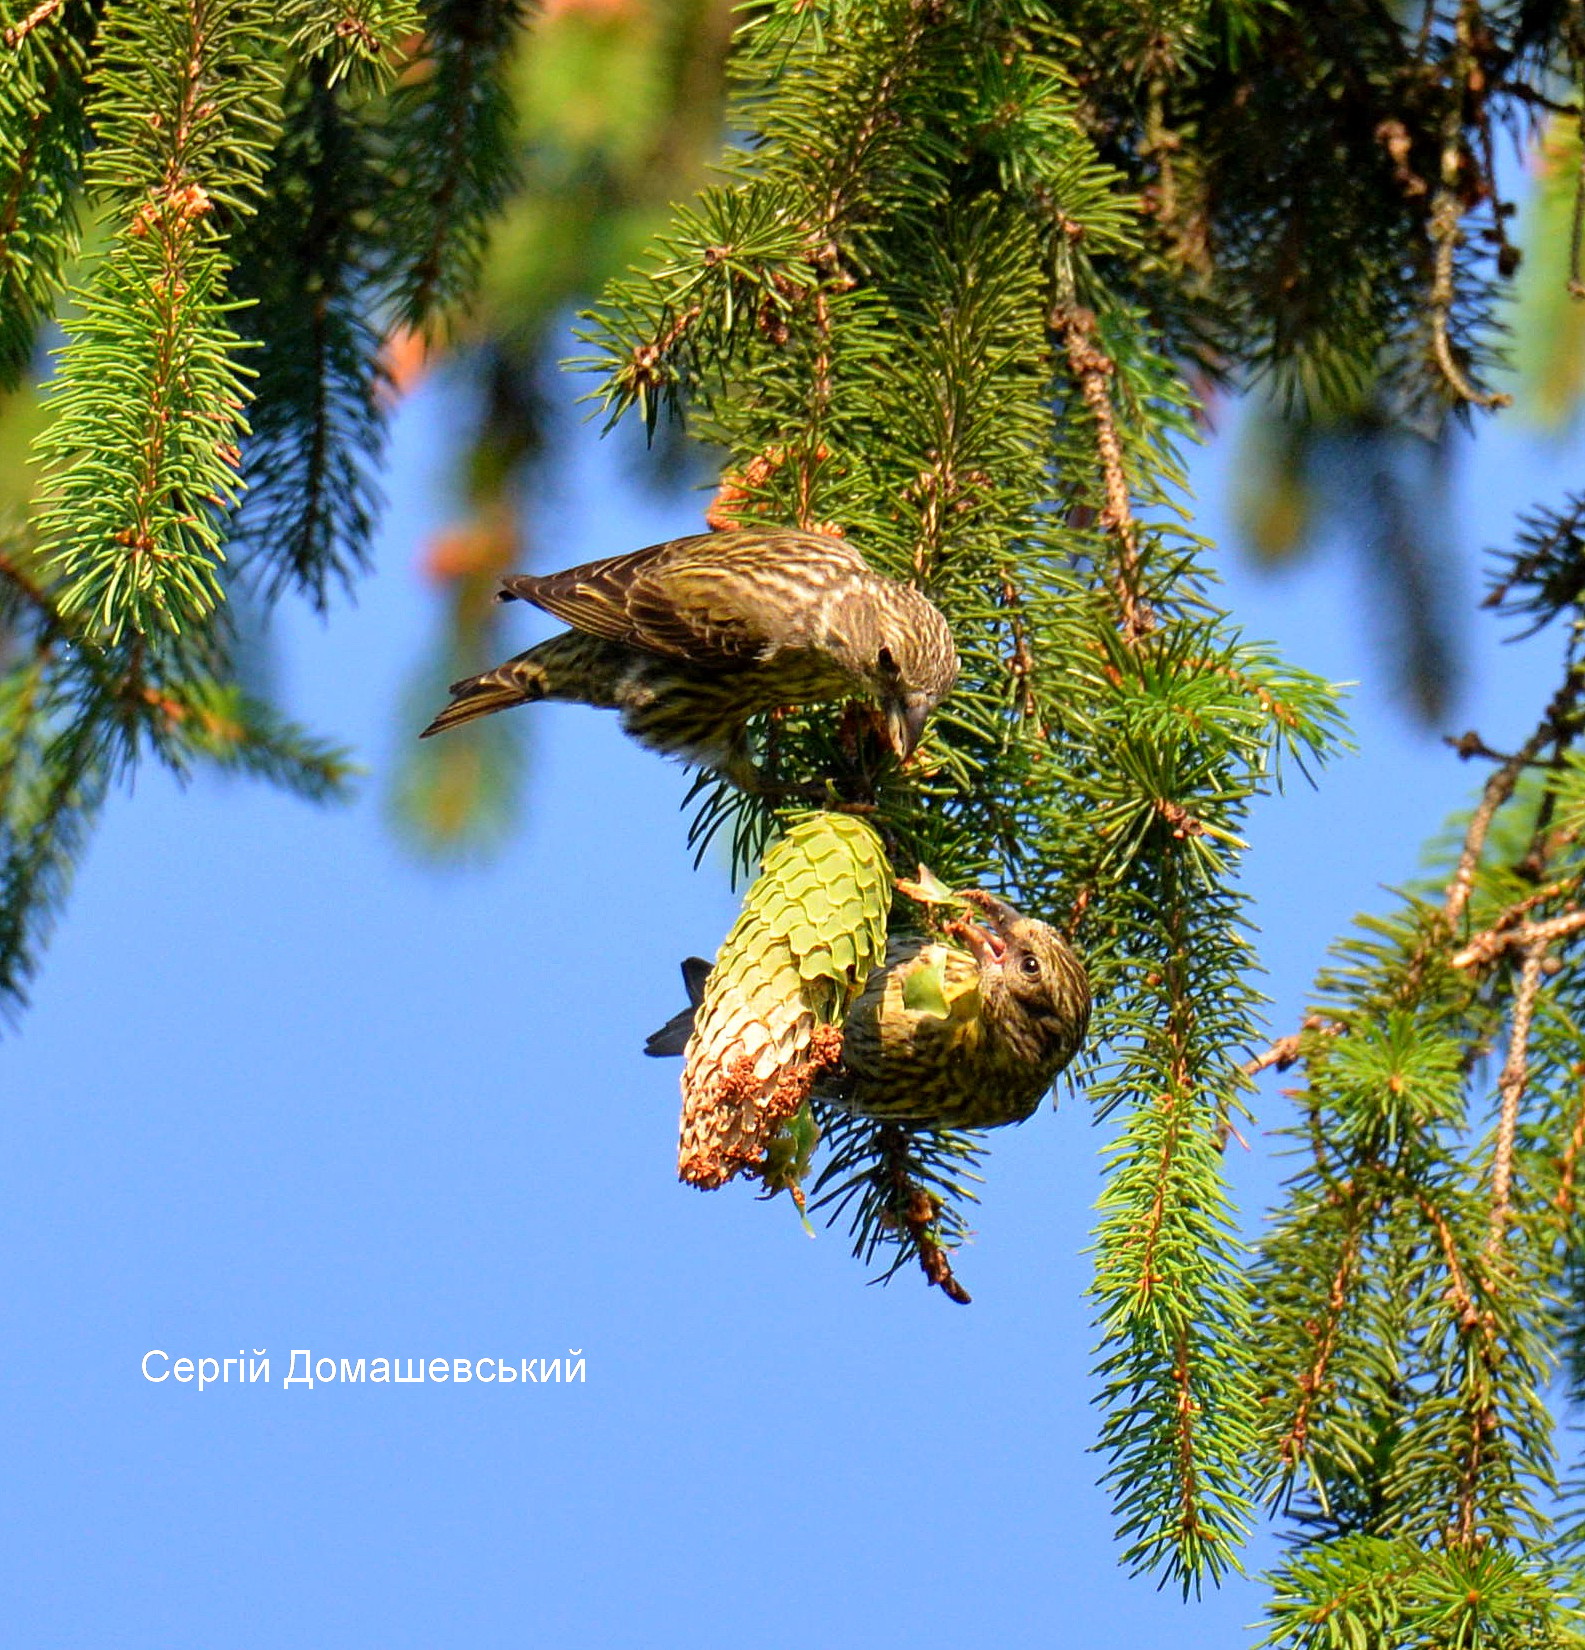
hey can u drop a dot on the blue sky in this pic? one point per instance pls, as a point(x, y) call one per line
point(282, 1088)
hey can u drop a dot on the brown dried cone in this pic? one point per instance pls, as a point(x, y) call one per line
point(692, 638)
point(950, 1037)
point(813, 925)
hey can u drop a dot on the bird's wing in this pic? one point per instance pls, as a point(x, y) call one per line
point(714, 598)
point(591, 597)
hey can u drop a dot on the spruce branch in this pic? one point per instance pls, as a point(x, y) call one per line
point(359, 41)
point(55, 787)
point(15, 33)
point(902, 1189)
point(1554, 729)
point(1311, 1383)
point(1091, 368)
point(305, 264)
point(42, 137)
point(452, 160)
point(141, 455)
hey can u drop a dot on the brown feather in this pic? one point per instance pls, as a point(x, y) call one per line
point(684, 598)
point(692, 639)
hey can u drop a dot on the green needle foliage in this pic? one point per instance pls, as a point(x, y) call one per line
point(306, 260)
point(42, 137)
point(950, 292)
point(141, 456)
point(895, 319)
point(451, 156)
point(1420, 1285)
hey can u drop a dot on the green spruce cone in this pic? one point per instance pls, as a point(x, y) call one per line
point(813, 926)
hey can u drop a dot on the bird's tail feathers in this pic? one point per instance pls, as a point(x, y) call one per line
point(517, 682)
point(672, 1038)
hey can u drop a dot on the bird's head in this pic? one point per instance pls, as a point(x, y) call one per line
point(913, 667)
point(1035, 990)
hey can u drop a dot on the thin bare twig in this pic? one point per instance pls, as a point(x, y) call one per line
point(1520, 908)
point(1487, 946)
point(1511, 1086)
point(1092, 367)
point(41, 13)
point(1498, 789)
point(1470, 744)
point(1285, 1051)
point(1447, 212)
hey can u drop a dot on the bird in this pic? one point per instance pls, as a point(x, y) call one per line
point(968, 1035)
point(691, 638)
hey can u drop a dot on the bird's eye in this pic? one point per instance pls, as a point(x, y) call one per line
point(1030, 966)
point(886, 662)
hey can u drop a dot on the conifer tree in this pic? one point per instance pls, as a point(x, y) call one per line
point(948, 295)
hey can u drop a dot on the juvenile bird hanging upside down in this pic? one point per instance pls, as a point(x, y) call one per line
point(950, 1037)
point(691, 638)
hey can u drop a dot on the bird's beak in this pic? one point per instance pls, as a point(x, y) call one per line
point(989, 944)
point(905, 725)
point(1001, 914)
point(988, 948)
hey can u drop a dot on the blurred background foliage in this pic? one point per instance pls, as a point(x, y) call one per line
point(620, 110)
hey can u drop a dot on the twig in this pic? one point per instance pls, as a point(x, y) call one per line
point(914, 1210)
point(1286, 1051)
point(1446, 214)
point(1487, 946)
point(1297, 1437)
point(1283, 1053)
point(1092, 367)
point(1498, 789)
point(1458, 1289)
point(821, 386)
point(1186, 1413)
point(1473, 1323)
point(1553, 890)
point(919, 1220)
point(643, 371)
point(41, 13)
point(1021, 667)
point(1470, 745)
point(1511, 1086)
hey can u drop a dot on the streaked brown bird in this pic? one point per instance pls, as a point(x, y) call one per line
point(950, 1037)
point(691, 638)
